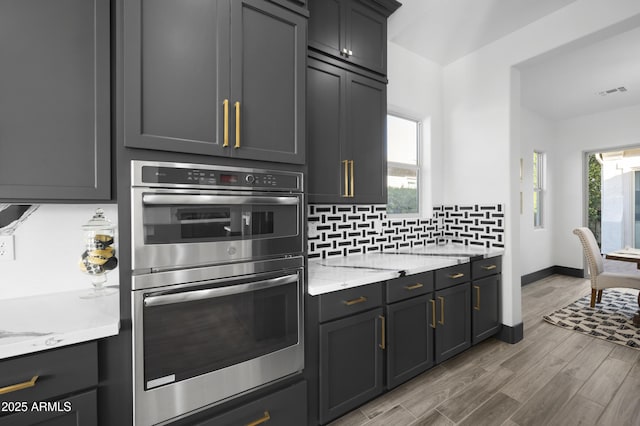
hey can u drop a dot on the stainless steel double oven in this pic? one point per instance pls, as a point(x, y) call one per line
point(217, 286)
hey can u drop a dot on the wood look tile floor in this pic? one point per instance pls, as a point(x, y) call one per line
point(552, 377)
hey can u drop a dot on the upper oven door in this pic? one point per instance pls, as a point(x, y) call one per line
point(174, 228)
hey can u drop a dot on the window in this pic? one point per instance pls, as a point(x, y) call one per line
point(538, 188)
point(403, 167)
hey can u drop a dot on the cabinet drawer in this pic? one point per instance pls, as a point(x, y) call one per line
point(446, 277)
point(485, 267)
point(350, 301)
point(282, 408)
point(409, 286)
point(81, 410)
point(58, 371)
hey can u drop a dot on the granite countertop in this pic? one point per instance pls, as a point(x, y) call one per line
point(37, 323)
point(327, 275)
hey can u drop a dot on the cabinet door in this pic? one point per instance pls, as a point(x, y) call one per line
point(409, 339)
point(268, 82)
point(350, 363)
point(486, 308)
point(55, 141)
point(453, 316)
point(367, 37)
point(326, 131)
point(327, 21)
point(366, 118)
point(176, 75)
point(76, 410)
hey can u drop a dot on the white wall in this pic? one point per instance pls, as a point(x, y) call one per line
point(415, 91)
point(609, 130)
point(481, 110)
point(48, 246)
point(536, 244)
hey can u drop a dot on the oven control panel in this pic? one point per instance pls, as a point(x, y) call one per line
point(206, 176)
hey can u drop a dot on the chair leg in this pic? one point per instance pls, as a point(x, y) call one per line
point(599, 296)
point(594, 293)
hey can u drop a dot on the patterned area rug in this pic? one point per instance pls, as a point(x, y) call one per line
point(610, 320)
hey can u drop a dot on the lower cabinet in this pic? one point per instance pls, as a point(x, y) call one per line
point(351, 362)
point(76, 410)
point(285, 407)
point(453, 321)
point(486, 308)
point(54, 388)
point(409, 339)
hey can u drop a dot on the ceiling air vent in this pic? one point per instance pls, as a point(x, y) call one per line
point(614, 90)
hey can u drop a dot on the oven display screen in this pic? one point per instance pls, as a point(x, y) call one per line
point(228, 178)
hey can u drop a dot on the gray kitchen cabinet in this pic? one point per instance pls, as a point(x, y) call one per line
point(284, 407)
point(485, 293)
point(346, 115)
point(410, 339)
point(55, 141)
point(66, 377)
point(350, 346)
point(453, 321)
point(215, 77)
point(351, 362)
point(354, 31)
point(410, 317)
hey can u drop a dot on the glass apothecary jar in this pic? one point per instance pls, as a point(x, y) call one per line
point(99, 256)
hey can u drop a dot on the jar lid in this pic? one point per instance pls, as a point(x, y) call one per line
point(98, 221)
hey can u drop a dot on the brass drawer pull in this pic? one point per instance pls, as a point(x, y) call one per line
point(414, 287)
point(383, 332)
point(488, 267)
point(477, 307)
point(237, 145)
point(12, 388)
point(261, 420)
point(346, 178)
point(354, 301)
point(353, 194)
point(457, 275)
point(441, 310)
point(225, 133)
point(433, 313)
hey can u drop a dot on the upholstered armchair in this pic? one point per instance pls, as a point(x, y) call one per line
point(601, 279)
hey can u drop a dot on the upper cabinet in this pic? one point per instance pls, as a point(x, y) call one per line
point(346, 136)
point(215, 77)
point(55, 141)
point(352, 30)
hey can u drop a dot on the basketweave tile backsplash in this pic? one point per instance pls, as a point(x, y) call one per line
point(343, 230)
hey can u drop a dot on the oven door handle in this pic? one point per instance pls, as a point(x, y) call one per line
point(202, 199)
point(190, 296)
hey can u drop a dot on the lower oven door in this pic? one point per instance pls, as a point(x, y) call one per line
point(200, 343)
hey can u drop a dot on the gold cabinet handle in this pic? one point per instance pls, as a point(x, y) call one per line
point(458, 275)
point(382, 332)
point(441, 310)
point(237, 145)
point(225, 135)
point(477, 307)
point(346, 178)
point(488, 267)
point(413, 287)
point(355, 301)
point(19, 386)
point(353, 194)
point(265, 418)
point(433, 313)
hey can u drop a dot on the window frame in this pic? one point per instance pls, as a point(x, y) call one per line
point(415, 167)
point(538, 188)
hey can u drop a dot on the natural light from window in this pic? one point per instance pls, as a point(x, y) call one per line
point(403, 137)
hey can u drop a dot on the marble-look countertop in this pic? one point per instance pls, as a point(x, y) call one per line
point(36, 323)
point(338, 273)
